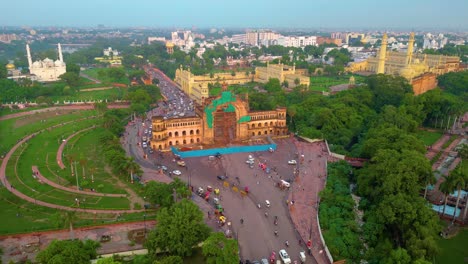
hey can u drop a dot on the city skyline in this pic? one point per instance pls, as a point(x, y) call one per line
point(398, 14)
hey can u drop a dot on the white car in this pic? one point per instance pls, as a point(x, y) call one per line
point(176, 172)
point(284, 256)
point(292, 162)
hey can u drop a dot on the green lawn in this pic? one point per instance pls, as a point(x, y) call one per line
point(40, 151)
point(323, 83)
point(94, 73)
point(87, 150)
point(428, 137)
point(110, 94)
point(454, 250)
point(12, 130)
point(8, 111)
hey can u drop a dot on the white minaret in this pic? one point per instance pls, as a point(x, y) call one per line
point(29, 56)
point(60, 52)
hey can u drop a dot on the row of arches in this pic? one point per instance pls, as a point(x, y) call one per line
point(265, 124)
point(270, 116)
point(175, 143)
point(184, 133)
point(266, 132)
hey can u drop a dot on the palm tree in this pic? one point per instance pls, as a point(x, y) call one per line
point(92, 170)
point(71, 157)
point(130, 166)
point(69, 219)
point(459, 182)
point(83, 162)
point(429, 179)
point(446, 187)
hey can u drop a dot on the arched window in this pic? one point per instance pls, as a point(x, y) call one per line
point(266, 132)
point(266, 123)
point(271, 131)
point(198, 131)
point(177, 142)
point(198, 140)
point(253, 125)
point(170, 143)
point(160, 147)
point(170, 134)
point(184, 133)
point(177, 133)
point(259, 124)
point(271, 123)
point(185, 141)
point(253, 134)
point(259, 133)
point(191, 140)
point(191, 132)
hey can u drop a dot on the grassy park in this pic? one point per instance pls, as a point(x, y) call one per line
point(19, 216)
point(323, 83)
point(109, 94)
point(453, 250)
point(428, 137)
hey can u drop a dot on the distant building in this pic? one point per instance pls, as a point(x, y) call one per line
point(47, 70)
point(156, 39)
point(196, 86)
point(239, 38)
point(257, 37)
point(109, 52)
point(434, 42)
point(323, 40)
point(296, 41)
point(7, 38)
point(419, 69)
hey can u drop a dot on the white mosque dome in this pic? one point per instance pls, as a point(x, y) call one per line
point(37, 64)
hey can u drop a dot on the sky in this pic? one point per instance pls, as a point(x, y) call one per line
point(395, 14)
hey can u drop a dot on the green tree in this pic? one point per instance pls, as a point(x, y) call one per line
point(217, 249)
point(170, 260)
point(72, 67)
point(68, 251)
point(108, 261)
point(446, 187)
point(179, 229)
point(71, 78)
point(459, 181)
point(388, 90)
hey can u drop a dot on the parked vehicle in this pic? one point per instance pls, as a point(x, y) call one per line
point(292, 162)
point(176, 172)
point(181, 163)
point(221, 177)
point(284, 256)
point(302, 256)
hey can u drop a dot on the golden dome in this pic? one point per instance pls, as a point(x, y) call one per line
point(10, 66)
point(169, 45)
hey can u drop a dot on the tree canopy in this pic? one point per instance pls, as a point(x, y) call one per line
point(180, 228)
point(68, 251)
point(218, 249)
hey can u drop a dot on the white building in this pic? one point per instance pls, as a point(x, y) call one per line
point(239, 38)
point(434, 42)
point(157, 39)
point(110, 53)
point(293, 41)
point(47, 70)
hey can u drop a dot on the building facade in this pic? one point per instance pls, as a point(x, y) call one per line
point(196, 86)
point(419, 69)
point(220, 120)
point(47, 70)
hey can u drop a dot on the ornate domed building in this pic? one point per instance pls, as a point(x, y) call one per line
point(47, 70)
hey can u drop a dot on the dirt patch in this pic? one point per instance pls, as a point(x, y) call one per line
point(41, 116)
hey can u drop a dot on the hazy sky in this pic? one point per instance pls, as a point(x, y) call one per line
point(239, 13)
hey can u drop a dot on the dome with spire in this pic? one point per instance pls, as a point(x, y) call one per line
point(10, 66)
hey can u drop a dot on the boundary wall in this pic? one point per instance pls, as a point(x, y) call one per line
point(223, 151)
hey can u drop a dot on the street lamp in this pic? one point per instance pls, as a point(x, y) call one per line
point(144, 220)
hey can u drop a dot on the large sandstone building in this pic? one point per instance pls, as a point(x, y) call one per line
point(197, 86)
point(219, 121)
point(419, 69)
